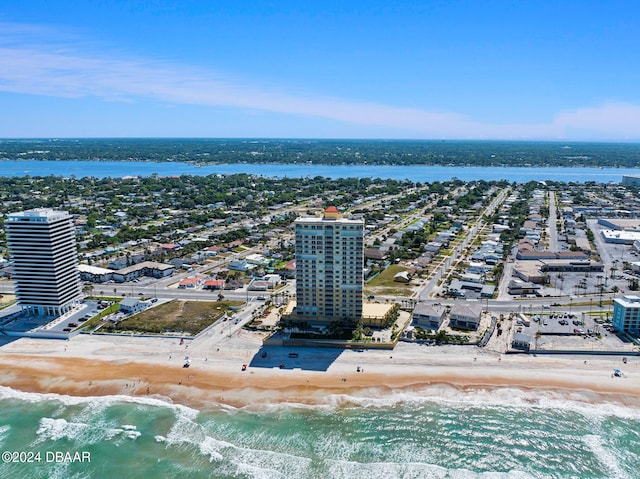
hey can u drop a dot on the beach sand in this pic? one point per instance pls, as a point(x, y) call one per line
point(107, 365)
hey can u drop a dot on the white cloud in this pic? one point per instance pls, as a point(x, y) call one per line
point(35, 62)
point(611, 120)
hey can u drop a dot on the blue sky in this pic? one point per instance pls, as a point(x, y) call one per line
point(481, 69)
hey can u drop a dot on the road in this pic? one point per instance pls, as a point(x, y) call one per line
point(551, 221)
point(451, 261)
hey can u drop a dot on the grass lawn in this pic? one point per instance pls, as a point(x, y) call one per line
point(185, 317)
point(97, 319)
point(385, 278)
point(281, 264)
point(6, 300)
point(384, 285)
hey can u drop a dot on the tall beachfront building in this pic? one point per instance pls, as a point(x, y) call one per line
point(329, 267)
point(42, 249)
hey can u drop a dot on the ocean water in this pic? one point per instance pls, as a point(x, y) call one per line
point(440, 432)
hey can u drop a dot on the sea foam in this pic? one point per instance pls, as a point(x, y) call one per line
point(585, 403)
point(393, 470)
point(4, 432)
point(55, 429)
point(605, 456)
point(95, 402)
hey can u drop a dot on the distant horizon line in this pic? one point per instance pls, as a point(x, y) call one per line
point(265, 138)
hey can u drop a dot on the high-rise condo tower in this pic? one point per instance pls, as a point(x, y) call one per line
point(329, 267)
point(42, 249)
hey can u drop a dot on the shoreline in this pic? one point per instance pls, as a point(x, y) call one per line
point(89, 366)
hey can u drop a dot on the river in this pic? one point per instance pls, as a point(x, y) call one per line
point(119, 169)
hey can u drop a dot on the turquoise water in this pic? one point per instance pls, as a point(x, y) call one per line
point(119, 169)
point(435, 433)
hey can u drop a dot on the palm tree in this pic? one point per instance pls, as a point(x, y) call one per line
point(614, 267)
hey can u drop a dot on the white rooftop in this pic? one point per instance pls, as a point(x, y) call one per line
point(38, 214)
point(86, 268)
point(629, 301)
point(324, 220)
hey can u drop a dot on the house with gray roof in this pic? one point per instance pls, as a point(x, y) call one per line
point(428, 316)
point(465, 316)
point(131, 305)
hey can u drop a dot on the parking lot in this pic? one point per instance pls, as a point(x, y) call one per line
point(575, 331)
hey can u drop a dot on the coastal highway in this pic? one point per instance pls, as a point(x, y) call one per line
point(524, 305)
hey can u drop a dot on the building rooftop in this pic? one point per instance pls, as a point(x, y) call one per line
point(38, 215)
point(313, 219)
point(86, 268)
point(143, 265)
point(629, 301)
point(620, 235)
point(129, 302)
point(469, 310)
point(427, 309)
point(375, 310)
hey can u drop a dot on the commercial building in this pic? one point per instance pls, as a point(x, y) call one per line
point(530, 272)
point(42, 247)
point(626, 314)
point(517, 287)
point(560, 265)
point(329, 267)
point(146, 268)
point(631, 180)
point(94, 273)
point(620, 237)
point(457, 289)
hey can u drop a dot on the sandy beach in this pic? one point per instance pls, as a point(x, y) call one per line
point(107, 365)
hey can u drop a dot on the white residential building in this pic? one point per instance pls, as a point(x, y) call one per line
point(42, 247)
